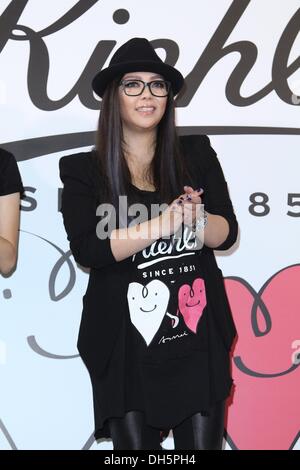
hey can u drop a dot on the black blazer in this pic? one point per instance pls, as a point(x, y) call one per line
point(103, 315)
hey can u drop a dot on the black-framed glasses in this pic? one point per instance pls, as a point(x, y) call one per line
point(159, 88)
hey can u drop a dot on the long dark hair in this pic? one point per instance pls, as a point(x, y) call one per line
point(168, 169)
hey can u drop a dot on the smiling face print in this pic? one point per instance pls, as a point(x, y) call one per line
point(191, 302)
point(147, 306)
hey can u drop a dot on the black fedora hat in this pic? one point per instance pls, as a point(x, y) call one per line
point(136, 55)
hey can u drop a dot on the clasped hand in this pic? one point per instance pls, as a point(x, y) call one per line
point(186, 204)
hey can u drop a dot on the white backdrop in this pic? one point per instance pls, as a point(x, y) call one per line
point(253, 120)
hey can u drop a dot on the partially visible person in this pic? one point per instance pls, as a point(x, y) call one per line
point(11, 190)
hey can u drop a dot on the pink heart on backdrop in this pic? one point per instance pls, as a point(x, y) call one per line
point(265, 409)
point(191, 302)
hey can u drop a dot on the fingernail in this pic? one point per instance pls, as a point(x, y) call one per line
point(200, 189)
point(189, 198)
point(179, 202)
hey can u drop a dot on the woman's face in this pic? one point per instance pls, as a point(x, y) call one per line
point(133, 109)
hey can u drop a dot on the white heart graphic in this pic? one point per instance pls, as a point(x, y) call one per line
point(147, 306)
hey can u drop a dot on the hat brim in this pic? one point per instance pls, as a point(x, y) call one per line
point(102, 79)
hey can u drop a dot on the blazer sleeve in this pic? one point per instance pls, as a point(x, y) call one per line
point(78, 207)
point(216, 195)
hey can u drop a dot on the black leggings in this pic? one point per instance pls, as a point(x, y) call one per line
point(195, 433)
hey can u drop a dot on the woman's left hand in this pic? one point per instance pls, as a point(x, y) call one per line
point(190, 201)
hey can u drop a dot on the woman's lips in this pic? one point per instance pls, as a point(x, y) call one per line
point(146, 109)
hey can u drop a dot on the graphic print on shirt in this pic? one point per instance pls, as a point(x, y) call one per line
point(148, 306)
point(167, 293)
point(191, 303)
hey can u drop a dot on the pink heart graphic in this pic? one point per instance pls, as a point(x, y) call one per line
point(265, 410)
point(191, 302)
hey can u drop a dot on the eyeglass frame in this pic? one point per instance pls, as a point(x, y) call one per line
point(148, 84)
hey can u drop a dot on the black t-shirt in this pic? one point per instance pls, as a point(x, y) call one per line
point(10, 179)
point(170, 368)
point(166, 293)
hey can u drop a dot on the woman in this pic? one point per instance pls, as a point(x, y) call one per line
point(10, 189)
point(156, 326)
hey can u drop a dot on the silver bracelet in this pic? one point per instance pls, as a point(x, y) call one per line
point(200, 223)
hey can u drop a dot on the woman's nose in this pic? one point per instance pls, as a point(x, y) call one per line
point(146, 91)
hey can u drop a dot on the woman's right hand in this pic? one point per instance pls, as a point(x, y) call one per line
point(172, 217)
point(179, 211)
